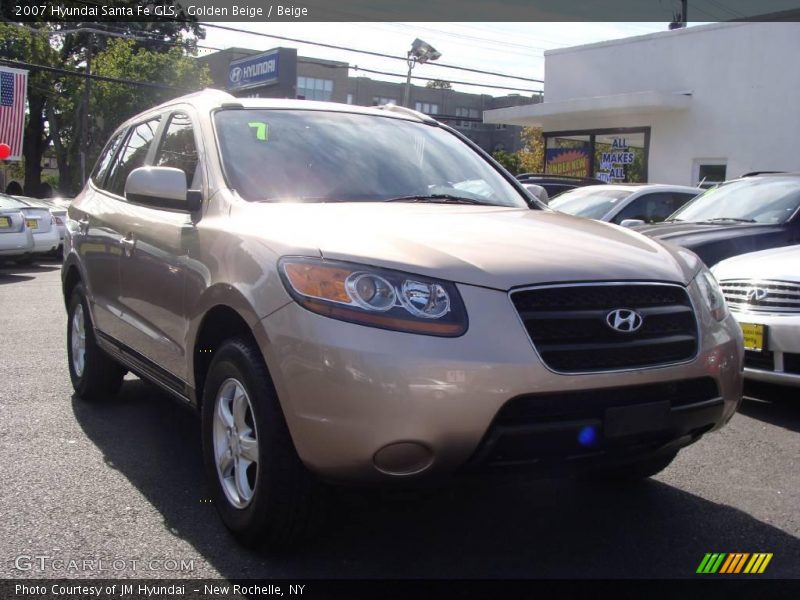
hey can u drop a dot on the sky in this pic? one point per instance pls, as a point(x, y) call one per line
point(508, 48)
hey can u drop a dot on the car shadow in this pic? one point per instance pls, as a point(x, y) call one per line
point(469, 529)
point(6, 278)
point(774, 404)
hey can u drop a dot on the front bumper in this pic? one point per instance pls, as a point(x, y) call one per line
point(780, 363)
point(365, 404)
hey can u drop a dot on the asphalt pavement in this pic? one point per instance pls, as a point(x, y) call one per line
point(122, 482)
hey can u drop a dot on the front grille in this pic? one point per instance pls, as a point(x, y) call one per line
point(763, 361)
point(761, 296)
point(568, 327)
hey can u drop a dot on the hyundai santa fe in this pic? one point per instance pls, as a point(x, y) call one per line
point(362, 295)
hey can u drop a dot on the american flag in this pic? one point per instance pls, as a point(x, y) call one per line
point(13, 88)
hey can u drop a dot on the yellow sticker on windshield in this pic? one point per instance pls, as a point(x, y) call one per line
point(261, 130)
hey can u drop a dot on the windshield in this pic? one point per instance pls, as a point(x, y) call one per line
point(590, 202)
point(322, 156)
point(767, 200)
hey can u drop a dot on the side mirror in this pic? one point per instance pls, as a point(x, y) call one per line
point(163, 188)
point(631, 222)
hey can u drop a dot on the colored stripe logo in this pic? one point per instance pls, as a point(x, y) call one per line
point(734, 563)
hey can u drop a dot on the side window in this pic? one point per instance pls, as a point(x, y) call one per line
point(104, 162)
point(132, 155)
point(634, 210)
point(650, 208)
point(679, 200)
point(177, 147)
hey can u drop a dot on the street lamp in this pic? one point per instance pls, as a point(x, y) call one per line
point(421, 52)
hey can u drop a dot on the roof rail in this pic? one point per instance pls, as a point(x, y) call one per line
point(754, 173)
point(402, 110)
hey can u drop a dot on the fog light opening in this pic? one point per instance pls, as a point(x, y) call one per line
point(403, 458)
point(587, 436)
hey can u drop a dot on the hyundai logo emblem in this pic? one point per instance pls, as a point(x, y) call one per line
point(756, 294)
point(236, 74)
point(624, 320)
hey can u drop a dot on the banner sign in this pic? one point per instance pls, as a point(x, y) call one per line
point(13, 93)
point(612, 164)
point(253, 71)
point(573, 162)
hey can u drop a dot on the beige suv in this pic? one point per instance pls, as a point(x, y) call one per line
point(354, 294)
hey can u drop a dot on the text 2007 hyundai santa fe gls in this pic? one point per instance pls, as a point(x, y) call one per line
point(361, 295)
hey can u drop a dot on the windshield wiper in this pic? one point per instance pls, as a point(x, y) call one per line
point(671, 220)
point(718, 219)
point(439, 199)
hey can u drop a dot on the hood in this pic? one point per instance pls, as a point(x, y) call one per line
point(684, 234)
point(492, 247)
point(714, 242)
point(776, 264)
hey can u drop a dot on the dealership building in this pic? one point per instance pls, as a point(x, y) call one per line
point(281, 73)
point(701, 104)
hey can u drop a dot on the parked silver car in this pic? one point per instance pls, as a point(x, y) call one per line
point(356, 294)
point(763, 292)
point(626, 204)
point(16, 238)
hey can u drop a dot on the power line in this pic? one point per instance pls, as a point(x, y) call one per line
point(83, 75)
point(368, 52)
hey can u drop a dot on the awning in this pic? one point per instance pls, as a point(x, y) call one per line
point(537, 115)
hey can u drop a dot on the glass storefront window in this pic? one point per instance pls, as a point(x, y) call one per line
point(614, 156)
point(568, 155)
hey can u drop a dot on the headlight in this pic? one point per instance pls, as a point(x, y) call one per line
point(712, 294)
point(375, 297)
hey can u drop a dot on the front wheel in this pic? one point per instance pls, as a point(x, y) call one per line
point(95, 375)
point(260, 487)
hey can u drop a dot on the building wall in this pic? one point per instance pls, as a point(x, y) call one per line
point(744, 84)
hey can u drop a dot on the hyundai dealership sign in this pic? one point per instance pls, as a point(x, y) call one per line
point(253, 71)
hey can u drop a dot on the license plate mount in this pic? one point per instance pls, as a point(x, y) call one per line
point(621, 421)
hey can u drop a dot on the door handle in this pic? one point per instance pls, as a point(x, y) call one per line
point(128, 244)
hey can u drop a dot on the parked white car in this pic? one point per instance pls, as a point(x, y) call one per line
point(626, 204)
point(762, 290)
point(16, 239)
point(40, 220)
point(59, 214)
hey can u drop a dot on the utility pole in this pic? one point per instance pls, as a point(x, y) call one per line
point(87, 89)
point(681, 19)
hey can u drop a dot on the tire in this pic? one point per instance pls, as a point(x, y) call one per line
point(98, 376)
point(262, 491)
point(634, 471)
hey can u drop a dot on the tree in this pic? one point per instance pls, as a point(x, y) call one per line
point(439, 84)
point(531, 156)
point(20, 44)
point(113, 103)
point(510, 160)
point(56, 102)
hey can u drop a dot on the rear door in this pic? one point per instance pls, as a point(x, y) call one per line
point(152, 267)
point(92, 224)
